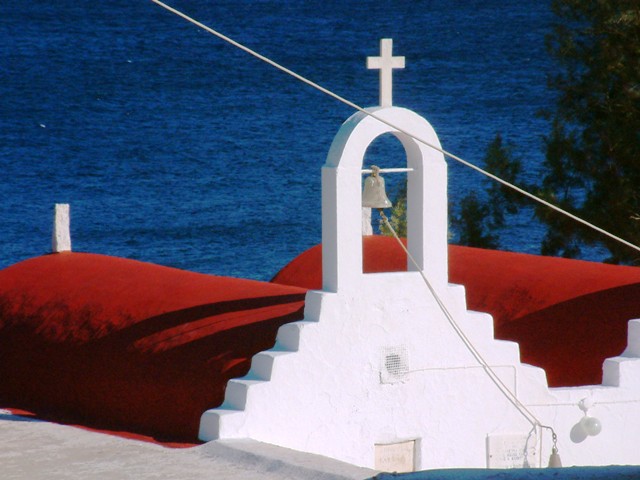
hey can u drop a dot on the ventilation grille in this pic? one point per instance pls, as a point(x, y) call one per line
point(394, 365)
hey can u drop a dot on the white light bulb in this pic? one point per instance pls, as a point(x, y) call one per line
point(591, 425)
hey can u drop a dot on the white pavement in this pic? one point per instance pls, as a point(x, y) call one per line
point(34, 450)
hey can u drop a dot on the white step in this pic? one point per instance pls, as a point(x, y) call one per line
point(221, 423)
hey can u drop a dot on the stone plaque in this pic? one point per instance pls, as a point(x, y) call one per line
point(396, 457)
point(512, 451)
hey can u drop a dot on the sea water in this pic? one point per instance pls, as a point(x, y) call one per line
point(173, 147)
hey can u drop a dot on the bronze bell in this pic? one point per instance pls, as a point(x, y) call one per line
point(374, 194)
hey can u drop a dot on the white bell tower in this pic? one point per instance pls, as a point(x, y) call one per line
point(342, 180)
point(375, 371)
point(342, 203)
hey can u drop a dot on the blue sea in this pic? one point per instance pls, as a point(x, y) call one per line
point(173, 147)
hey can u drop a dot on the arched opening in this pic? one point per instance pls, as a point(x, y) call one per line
point(342, 193)
point(386, 151)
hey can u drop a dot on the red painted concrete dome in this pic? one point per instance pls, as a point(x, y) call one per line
point(126, 345)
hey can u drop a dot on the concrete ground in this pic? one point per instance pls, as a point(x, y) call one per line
point(34, 450)
point(37, 450)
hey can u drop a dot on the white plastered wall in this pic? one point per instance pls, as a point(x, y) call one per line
point(375, 360)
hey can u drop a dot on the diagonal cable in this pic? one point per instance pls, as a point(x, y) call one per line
point(493, 376)
point(395, 127)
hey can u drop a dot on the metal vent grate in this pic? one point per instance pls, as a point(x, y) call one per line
point(394, 364)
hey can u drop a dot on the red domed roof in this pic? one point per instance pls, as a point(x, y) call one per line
point(567, 315)
point(125, 345)
point(121, 344)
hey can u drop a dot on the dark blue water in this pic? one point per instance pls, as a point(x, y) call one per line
point(173, 147)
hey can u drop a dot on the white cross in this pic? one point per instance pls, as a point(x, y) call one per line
point(386, 62)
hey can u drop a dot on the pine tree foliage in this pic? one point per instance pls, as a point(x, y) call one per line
point(473, 225)
point(398, 219)
point(478, 218)
point(478, 221)
point(593, 150)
